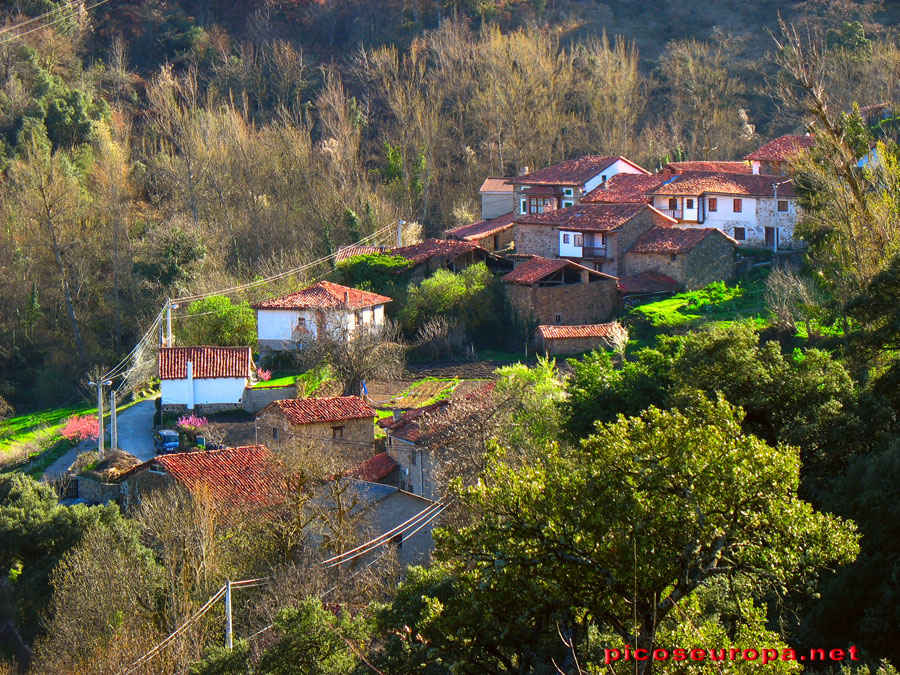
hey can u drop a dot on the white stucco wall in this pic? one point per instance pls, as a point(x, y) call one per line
point(615, 168)
point(569, 250)
point(206, 390)
point(279, 324)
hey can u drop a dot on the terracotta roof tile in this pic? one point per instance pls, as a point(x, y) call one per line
point(496, 185)
point(434, 248)
point(239, 476)
point(208, 362)
point(408, 427)
point(782, 148)
point(625, 188)
point(573, 172)
point(375, 468)
point(588, 217)
point(673, 239)
point(694, 184)
point(326, 409)
point(483, 228)
point(347, 252)
point(324, 295)
point(584, 331)
point(536, 268)
point(647, 282)
point(708, 166)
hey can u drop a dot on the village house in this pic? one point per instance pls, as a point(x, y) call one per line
point(497, 198)
point(435, 254)
point(626, 188)
point(492, 235)
point(755, 210)
point(558, 340)
point(558, 291)
point(403, 433)
point(341, 425)
point(594, 235)
point(380, 468)
point(563, 185)
point(205, 379)
point(286, 322)
point(691, 257)
point(773, 157)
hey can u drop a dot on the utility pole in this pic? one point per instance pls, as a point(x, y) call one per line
point(229, 637)
point(169, 308)
point(400, 224)
point(100, 432)
point(113, 422)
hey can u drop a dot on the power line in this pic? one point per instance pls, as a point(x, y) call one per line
point(50, 23)
point(61, 8)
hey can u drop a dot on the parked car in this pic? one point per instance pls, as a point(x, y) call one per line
point(166, 441)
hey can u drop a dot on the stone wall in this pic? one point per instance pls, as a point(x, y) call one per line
point(201, 408)
point(625, 237)
point(542, 240)
point(559, 346)
point(671, 265)
point(255, 400)
point(355, 446)
point(493, 204)
point(768, 215)
point(395, 510)
point(575, 304)
point(710, 260)
point(95, 492)
point(138, 485)
point(498, 241)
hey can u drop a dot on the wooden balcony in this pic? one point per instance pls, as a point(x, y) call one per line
point(593, 252)
point(677, 214)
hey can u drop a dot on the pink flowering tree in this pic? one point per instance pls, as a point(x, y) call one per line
point(263, 374)
point(80, 427)
point(191, 425)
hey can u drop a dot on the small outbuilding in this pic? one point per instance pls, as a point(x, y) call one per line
point(205, 379)
point(556, 340)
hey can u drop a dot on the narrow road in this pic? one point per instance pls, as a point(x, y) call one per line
point(136, 430)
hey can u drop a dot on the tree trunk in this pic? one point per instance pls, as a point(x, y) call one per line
point(70, 306)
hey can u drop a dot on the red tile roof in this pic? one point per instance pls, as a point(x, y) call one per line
point(647, 282)
point(536, 268)
point(435, 248)
point(708, 166)
point(574, 172)
point(483, 228)
point(695, 184)
point(236, 476)
point(326, 409)
point(208, 362)
point(324, 295)
point(625, 188)
point(588, 217)
point(407, 428)
point(346, 252)
point(673, 239)
point(496, 185)
point(375, 468)
point(782, 149)
point(594, 330)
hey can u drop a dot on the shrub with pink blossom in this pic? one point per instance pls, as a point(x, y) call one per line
point(191, 425)
point(80, 427)
point(263, 374)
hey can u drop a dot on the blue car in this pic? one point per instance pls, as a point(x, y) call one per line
point(166, 441)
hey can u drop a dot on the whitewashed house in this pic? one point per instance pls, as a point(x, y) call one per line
point(562, 185)
point(754, 209)
point(285, 322)
point(205, 379)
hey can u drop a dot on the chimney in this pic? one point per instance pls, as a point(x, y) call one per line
point(523, 170)
point(190, 385)
point(396, 413)
point(346, 297)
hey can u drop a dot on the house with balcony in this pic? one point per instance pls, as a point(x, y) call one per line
point(563, 185)
point(753, 209)
point(773, 157)
point(593, 235)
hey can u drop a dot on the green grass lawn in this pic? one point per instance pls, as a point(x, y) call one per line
point(282, 380)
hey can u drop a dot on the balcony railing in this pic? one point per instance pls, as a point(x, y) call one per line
point(593, 252)
point(677, 214)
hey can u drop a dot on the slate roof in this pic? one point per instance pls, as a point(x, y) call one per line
point(625, 188)
point(707, 166)
point(375, 468)
point(324, 295)
point(434, 248)
point(494, 184)
point(325, 409)
point(593, 330)
point(587, 217)
point(695, 184)
point(208, 362)
point(574, 172)
point(536, 268)
point(782, 148)
point(647, 282)
point(236, 476)
point(673, 239)
point(483, 228)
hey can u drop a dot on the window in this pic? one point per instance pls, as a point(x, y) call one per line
point(690, 204)
point(337, 432)
point(740, 233)
point(579, 240)
point(603, 177)
point(603, 239)
point(567, 203)
point(673, 204)
point(674, 257)
point(567, 192)
point(156, 468)
point(412, 457)
point(713, 204)
point(782, 205)
point(274, 433)
point(558, 318)
point(565, 238)
point(738, 205)
point(523, 205)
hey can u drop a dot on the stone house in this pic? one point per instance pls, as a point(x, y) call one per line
point(557, 340)
point(594, 235)
point(773, 157)
point(562, 185)
point(492, 235)
point(432, 255)
point(548, 291)
point(343, 426)
point(755, 210)
point(285, 322)
point(403, 434)
point(205, 379)
point(691, 257)
point(497, 198)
